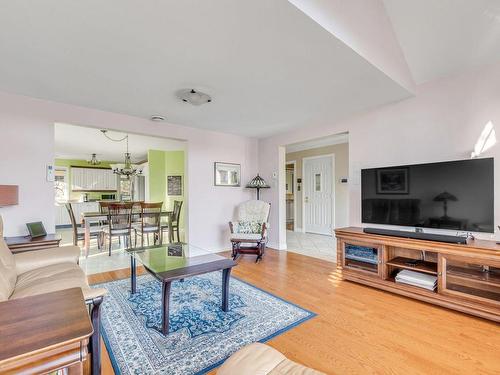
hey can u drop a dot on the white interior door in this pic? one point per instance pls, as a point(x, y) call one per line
point(318, 194)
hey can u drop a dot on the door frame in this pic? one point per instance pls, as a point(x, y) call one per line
point(294, 182)
point(332, 156)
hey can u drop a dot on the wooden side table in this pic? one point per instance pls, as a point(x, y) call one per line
point(21, 244)
point(44, 333)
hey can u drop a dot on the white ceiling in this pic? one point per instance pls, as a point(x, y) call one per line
point(268, 66)
point(445, 37)
point(78, 142)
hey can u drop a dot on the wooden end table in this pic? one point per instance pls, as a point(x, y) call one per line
point(44, 333)
point(21, 244)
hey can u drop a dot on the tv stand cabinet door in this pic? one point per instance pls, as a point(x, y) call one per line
point(355, 257)
point(470, 279)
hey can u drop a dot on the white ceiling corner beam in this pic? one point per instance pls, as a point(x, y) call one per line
point(365, 27)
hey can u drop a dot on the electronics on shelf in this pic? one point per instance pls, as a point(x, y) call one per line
point(418, 279)
point(361, 254)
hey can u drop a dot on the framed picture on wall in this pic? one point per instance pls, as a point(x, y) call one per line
point(174, 185)
point(227, 174)
point(392, 181)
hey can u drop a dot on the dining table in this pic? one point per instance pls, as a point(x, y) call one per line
point(90, 217)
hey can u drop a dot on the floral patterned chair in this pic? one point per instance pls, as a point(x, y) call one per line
point(249, 231)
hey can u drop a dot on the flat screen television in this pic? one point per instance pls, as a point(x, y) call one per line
point(456, 195)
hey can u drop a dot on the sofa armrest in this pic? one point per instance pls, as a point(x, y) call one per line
point(253, 359)
point(261, 359)
point(30, 260)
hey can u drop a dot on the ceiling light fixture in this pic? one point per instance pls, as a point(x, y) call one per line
point(94, 160)
point(194, 97)
point(158, 118)
point(127, 169)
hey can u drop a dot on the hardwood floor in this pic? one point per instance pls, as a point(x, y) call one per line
point(360, 330)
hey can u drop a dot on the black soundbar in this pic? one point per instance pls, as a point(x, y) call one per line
point(417, 235)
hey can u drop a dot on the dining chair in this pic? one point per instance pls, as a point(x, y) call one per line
point(79, 232)
point(119, 223)
point(136, 211)
point(174, 223)
point(150, 222)
point(104, 209)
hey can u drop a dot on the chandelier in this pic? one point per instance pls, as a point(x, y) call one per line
point(94, 160)
point(126, 169)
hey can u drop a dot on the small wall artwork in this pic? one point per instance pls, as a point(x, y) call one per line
point(392, 181)
point(227, 174)
point(174, 185)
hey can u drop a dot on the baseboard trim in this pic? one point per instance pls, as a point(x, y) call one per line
point(276, 246)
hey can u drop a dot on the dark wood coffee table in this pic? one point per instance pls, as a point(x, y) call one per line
point(178, 261)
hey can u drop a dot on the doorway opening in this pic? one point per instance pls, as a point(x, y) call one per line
point(316, 194)
point(290, 191)
point(91, 174)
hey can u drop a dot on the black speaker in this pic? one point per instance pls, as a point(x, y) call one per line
point(417, 235)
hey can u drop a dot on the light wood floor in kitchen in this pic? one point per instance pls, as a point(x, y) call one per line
point(360, 330)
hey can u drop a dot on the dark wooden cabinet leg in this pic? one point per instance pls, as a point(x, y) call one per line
point(165, 301)
point(133, 275)
point(226, 273)
point(95, 339)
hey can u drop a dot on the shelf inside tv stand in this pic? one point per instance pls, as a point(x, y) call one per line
point(421, 266)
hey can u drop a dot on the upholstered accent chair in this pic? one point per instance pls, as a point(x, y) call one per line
point(249, 231)
point(42, 271)
point(261, 359)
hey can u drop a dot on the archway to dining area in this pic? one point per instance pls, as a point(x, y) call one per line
point(132, 176)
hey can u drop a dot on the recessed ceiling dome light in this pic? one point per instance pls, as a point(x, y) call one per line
point(158, 118)
point(194, 97)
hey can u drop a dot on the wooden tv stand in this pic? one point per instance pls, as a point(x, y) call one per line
point(468, 276)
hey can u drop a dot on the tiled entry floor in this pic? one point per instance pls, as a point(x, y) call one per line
point(314, 245)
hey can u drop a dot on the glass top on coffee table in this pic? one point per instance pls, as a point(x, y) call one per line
point(172, 256)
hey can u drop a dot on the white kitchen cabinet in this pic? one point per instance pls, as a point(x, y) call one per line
point(62, 217)
point(97, 179)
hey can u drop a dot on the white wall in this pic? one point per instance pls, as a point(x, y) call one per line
point(27, 139)
point(442, 122)
point(26, 149)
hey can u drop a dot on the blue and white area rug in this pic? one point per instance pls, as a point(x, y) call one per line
point(201, 335)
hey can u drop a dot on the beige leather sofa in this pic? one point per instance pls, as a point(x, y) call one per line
point(260, 359)
point(43, 271)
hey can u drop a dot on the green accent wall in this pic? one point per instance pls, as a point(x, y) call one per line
point(157, 179)
point(161, 165)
